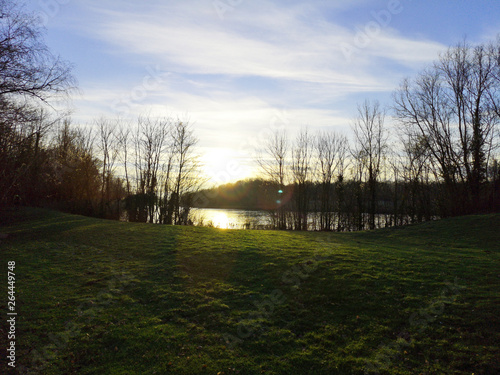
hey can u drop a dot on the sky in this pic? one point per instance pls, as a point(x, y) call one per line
point(238, 69)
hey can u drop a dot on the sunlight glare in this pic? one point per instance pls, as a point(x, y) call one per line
point(222, 166)
point(221, 221)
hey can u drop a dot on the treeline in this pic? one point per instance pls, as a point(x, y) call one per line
point(110, 168)
point(441, 158)
point(249, 194)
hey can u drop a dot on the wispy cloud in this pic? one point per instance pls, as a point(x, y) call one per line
point(277, 42)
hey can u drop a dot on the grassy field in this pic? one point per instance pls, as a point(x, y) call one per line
point(104, 297)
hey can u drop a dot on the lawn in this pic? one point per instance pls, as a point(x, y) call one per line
point(105, 297)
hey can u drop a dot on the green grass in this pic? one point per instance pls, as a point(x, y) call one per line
point(104, 297)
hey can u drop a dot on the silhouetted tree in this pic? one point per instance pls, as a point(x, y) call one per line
point(370, 146)
point(273, 161)
point(451, 106)
point(29, 77)
point(302, 173)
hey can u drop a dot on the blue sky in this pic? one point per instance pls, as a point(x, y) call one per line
point(237, 68)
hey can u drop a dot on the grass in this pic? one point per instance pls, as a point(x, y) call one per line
point(104, 297)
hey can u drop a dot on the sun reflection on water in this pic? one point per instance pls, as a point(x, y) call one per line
point(220, 220)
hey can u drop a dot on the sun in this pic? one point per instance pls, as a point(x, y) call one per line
point(224, 165)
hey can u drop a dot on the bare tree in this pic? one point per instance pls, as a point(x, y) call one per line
point(124, 141)
point(187, 169)
point(108, 151)
point(452, 107)
point(370, 146)
point(331, 155)
point(167, 199)
point(149, 145)
point(302, 173)
point(75, 170)
point(469, 76)
point(414, 173)
point(22, 157)
point(29, 76)
point(27, 67)
point(273, 162)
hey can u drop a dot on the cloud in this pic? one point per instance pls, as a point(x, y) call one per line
point(275, 42)
point(294, 50)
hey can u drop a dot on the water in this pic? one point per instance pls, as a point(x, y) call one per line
point(253, 219)
point(247, 219)
point(230, 218)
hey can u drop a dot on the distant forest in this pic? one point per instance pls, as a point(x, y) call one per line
point(439, 157)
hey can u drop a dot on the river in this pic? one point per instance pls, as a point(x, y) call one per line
point(247, 219)
point(230, 218)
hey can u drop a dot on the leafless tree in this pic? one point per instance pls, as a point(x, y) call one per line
point(27, 67)
point(451, 106)
point(108, 145)
point(75, 172)
point(29, 77)
point(331, 151)
point(302, 172)
point(412, 170)
point(186, 167)
point(149, 143)
point(22, 137)
point(370, 146)
point(167, 198)
point(124, 144)
point(273, 162)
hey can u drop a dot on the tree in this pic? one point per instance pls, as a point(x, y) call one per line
point(187, 168)
point(273, 162)
point(123, 142)
point(27, 67)
point(75, 170)
point(167, 171)
point(370, 146)
point(414, 168)
point(149, 142)
point(22, 134)
point(108, 151)
point(302, 173)
point(29, 77)
point(469, 75)
point(330, 153)
point(452, 106)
